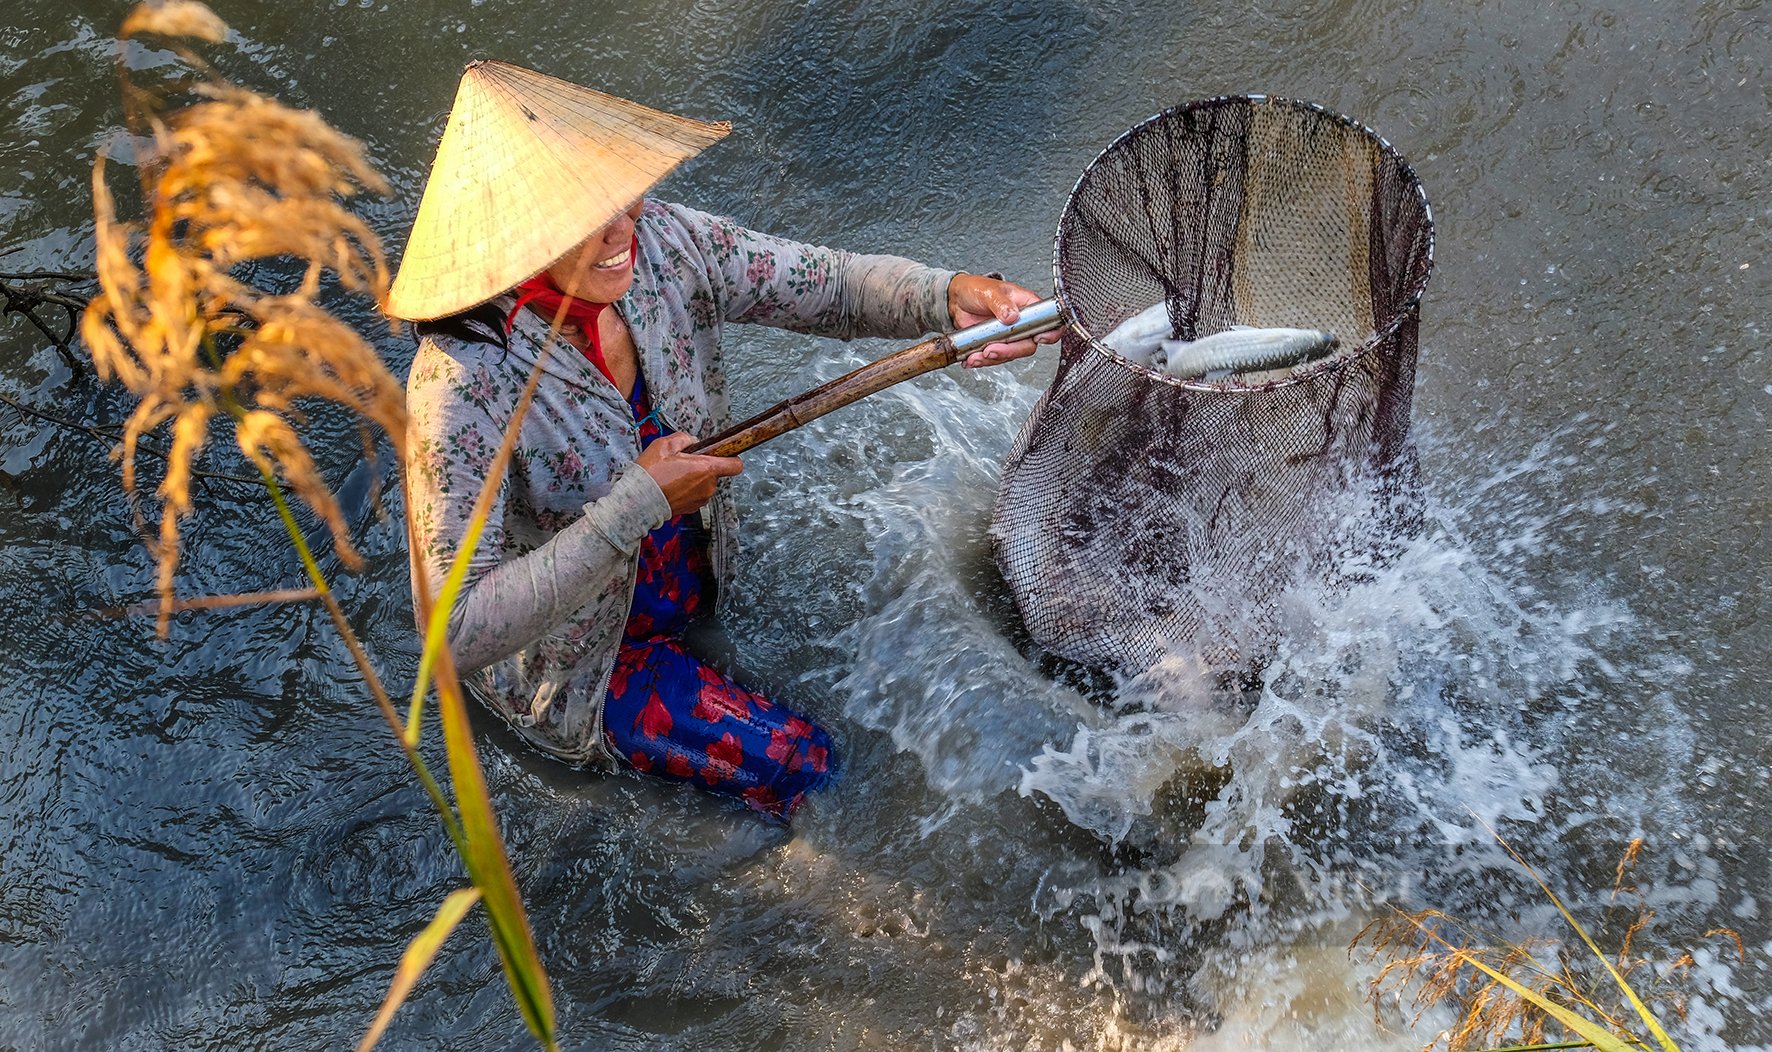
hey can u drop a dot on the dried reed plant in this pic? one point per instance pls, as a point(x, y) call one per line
point(234, 178)
point(1535, 993)
point(231, 179)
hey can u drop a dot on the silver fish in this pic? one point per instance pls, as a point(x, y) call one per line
point(1241, 349)
point(1140, 337)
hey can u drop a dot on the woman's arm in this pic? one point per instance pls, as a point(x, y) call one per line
point(770, 280)
point(763, 278)
point(508, 599)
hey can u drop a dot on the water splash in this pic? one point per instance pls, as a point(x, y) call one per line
point(1247, 834)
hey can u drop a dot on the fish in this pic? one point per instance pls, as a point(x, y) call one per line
point(357, 496)
point(1139, 338)
point(1242, 349)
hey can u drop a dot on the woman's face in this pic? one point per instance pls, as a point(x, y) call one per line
point(601, 268)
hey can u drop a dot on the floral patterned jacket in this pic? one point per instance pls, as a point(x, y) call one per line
point(540, 615)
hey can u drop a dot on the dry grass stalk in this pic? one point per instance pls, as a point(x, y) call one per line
point(235, 178)
point(1428, 964)
point(1431, 960)
point(230, 179)
point(211, 602)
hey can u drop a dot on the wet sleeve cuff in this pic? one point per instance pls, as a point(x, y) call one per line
point(935, 303)
point(632, 508)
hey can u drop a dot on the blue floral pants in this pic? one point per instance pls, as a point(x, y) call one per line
point(670, 715)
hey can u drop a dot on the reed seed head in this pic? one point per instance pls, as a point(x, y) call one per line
point(235, 179)
point(174, 18)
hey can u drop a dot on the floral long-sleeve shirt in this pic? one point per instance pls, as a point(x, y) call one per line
point(541, 610)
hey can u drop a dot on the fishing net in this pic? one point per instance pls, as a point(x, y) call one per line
point(1140, 512)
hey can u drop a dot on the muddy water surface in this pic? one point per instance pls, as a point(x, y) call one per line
point(208, 843)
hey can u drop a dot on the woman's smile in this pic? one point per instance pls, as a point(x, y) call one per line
point(601, 268)
point(617, 261)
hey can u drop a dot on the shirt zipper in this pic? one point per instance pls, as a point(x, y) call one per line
point(709, 513)
point(610, 759)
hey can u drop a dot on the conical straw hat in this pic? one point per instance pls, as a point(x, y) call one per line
point(529, 166)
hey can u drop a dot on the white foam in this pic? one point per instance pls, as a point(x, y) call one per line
point(1405, 713)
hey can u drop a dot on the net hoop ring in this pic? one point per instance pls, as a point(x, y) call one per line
point(1421, 257)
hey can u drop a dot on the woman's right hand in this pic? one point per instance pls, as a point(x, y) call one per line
point(687, 479)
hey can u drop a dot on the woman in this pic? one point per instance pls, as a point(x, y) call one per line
point(606, 538)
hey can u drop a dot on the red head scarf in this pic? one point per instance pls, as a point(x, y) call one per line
point(541, 291)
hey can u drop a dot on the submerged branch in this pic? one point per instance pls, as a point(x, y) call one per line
point(21, 292)
point(113, 433)
point(156, 607)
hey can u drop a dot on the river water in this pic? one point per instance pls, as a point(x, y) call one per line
point(209, 842)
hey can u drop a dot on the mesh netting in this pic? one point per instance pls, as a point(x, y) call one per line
point(1140, 512)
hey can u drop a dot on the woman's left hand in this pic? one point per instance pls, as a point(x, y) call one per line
point(975, 298)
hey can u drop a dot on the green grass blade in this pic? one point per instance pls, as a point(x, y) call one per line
point(488, 864)
point(382, 701)
point(486, 860)
point(437, 624)
point(435, 617)
point(1593, 1033)
point(1649, 1020)
point(418, 956)
point(483, 851)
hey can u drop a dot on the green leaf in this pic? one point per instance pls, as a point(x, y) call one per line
point(435, 616)
point(1592, 1032)
point(437, 624)
point(418, 956)
point(1649, 1020)
point(487, 862)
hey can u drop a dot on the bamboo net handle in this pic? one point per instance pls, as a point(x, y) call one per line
point(935, 353)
